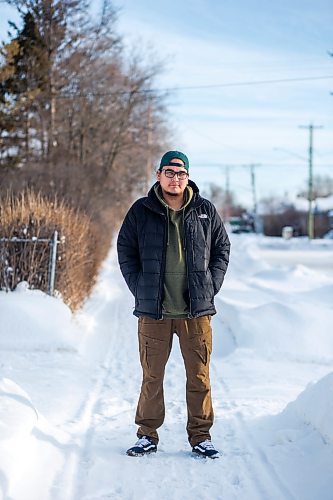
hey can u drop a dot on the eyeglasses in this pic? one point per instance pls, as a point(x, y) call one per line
point(168, 172)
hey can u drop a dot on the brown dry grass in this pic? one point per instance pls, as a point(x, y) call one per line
point(30, 215)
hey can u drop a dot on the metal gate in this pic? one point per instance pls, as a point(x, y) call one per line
point(33, 260)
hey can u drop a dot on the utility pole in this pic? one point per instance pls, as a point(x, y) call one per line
point(227, 193)
point(253, 189)
point(310, 127)
point(252, 167)
point(227, 180)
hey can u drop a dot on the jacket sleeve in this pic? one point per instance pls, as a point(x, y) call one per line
point(220, 249)
point(128, 250)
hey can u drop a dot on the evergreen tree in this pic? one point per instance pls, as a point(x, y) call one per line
point(23, 73)
point(48, 32)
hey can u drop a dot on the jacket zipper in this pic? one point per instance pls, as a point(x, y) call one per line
point(160, 316)
point(159, 312)
point(187, 274)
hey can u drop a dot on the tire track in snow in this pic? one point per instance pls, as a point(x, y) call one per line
point(107, 407)
point(65, 485)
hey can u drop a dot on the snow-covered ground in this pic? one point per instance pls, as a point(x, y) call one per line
point(69, 387)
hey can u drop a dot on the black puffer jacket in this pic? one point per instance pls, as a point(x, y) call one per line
point(142, 248)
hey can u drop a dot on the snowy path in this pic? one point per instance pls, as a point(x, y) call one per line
point(86, 400)
point(243, 388)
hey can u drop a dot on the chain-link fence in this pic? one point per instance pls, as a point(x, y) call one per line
point(33, 260)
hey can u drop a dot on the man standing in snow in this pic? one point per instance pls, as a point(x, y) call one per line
point(173, 252)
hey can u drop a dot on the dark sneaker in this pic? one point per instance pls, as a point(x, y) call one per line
point(143, 446)
point(205, 449)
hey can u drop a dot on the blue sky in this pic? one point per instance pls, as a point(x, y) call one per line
point(205, 43)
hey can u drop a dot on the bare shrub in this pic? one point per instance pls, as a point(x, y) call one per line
point(32, 217)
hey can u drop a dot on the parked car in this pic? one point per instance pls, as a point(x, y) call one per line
point(240, 225)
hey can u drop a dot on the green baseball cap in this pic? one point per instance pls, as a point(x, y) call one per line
point(170, 155)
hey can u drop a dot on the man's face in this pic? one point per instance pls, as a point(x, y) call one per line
point(173, 186)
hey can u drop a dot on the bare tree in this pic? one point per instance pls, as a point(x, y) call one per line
point(95, 124)
point(322, 187)
point(225, 201)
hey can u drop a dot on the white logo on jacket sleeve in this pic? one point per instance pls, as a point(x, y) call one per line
point(203, 216)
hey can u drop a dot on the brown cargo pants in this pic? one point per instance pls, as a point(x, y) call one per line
point(155, 342)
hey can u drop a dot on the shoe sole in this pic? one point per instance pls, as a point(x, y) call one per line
point(133, 454)
point(201, 455)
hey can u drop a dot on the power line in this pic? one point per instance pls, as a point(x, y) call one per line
point(80, 95)
point(254, 82)
point(266, 165)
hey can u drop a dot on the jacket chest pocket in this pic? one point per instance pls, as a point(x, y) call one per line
point(199, 244)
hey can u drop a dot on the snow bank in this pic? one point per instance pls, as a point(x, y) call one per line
point(293, 329)
point(17, 413)
point(18, 418)
point(314, 406)
point(36, 331)
point(32, 320)
point(282, 309)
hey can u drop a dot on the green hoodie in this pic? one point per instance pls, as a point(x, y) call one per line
point(175, 279)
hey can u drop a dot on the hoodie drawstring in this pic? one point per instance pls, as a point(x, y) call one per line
point(168, 225)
